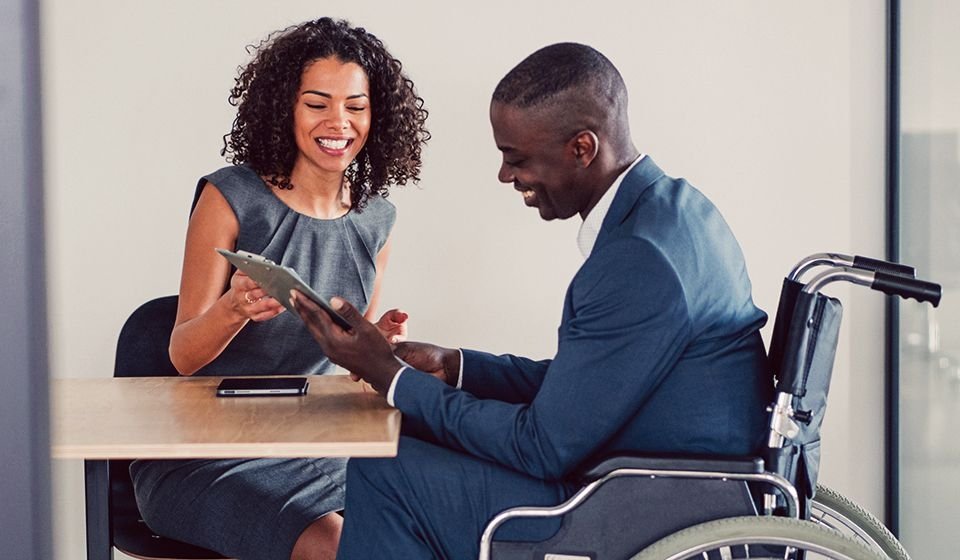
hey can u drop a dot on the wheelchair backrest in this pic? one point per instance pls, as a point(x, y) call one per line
point(802, 352)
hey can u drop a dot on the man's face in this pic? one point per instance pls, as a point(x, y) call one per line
point(538, 161)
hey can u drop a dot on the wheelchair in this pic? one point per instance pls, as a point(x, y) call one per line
point(674, 507)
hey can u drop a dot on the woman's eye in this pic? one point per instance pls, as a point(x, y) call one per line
point(357, 108)
point(315, 106)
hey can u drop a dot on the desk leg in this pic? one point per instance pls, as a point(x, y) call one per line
point(97, 481)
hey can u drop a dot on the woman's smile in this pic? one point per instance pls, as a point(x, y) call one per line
point(333, 146)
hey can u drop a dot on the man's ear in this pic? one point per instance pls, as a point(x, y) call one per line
point(585, 147)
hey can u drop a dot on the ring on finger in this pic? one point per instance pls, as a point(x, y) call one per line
point(248, 299)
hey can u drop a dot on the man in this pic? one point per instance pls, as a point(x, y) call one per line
point(659, 346)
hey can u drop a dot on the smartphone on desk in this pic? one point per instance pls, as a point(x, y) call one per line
point(267, 386)
point(277, 280)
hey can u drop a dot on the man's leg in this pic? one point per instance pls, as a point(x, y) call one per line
point(432, 502)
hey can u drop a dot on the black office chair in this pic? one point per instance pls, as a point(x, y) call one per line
point(674, 507)
point(142, 351)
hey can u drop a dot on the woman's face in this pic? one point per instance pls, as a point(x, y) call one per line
point(331, 117)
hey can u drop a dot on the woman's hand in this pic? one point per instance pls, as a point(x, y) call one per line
point(249, 300)
point(393, 326)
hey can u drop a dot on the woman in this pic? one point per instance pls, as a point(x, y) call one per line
point(326, 120)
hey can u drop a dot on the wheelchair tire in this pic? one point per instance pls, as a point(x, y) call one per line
point(725, 538)
point(833, 509)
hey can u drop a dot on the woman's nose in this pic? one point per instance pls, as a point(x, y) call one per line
point(338, 120)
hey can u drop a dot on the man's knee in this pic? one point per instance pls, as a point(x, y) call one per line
point(363, 474)
point(408, 475)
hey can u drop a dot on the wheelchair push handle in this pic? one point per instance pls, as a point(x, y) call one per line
point(858, 262)
point(877, 265)
point(898, 285)
point(886, 282)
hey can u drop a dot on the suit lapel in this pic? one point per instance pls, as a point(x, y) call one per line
point(644, 174)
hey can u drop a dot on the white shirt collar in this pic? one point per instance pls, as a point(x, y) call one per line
point(590, 228)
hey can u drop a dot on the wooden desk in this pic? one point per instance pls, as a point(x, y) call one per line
point(181, 417)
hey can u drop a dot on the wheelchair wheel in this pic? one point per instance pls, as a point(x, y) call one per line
point(758, 538)
point(833, 509)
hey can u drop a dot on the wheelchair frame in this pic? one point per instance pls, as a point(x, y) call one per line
point(793, 352)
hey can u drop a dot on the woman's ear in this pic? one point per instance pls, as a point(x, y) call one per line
point(585, 147)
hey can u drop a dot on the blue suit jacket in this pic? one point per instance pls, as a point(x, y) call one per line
point(659, 350)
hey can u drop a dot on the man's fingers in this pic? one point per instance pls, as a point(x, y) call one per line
point(346, 310)
point(403, 350)
point(315, 318)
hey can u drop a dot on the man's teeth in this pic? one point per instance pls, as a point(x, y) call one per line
point(527, 195)
point(332, 144)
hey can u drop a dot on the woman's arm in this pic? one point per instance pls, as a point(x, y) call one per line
point(381, 262)
point(393, 323)
point(208, 317)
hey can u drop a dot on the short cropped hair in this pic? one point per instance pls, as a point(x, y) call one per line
point(266, 90)
point(556, 68)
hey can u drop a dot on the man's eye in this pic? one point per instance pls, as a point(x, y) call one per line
point(515, 163)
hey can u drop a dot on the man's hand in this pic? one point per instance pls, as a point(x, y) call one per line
point(362, 350)
point(442, 363)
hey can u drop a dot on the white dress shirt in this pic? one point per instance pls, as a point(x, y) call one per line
point(393, 384)
point(590, 228)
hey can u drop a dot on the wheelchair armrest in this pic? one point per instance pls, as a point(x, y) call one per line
point(697, 463)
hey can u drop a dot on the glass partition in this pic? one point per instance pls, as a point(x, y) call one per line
point(929, 339)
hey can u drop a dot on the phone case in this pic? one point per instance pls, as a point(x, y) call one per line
point(266, 386)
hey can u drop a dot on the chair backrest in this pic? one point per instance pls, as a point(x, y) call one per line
point(143, 351)
point(142, 347)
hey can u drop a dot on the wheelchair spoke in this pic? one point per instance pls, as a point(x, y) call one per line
point(758, 538)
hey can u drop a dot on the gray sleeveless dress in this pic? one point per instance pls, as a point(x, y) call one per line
point(255, 509)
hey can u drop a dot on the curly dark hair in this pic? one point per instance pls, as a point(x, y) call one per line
point(266, 90)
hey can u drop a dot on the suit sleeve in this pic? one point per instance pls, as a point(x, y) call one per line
point(507, 378)
point(628, 328)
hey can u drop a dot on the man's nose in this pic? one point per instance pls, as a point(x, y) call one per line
point(505, 175)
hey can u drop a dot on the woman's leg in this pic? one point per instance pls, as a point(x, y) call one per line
point(255, 509)
point(319, 540)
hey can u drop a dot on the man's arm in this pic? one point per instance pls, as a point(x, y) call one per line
point(507, 378)
point(628, 330)
point(629, 327)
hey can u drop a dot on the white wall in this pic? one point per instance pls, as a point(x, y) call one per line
point(774, 109)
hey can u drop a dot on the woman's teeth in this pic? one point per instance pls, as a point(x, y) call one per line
point(332, 144)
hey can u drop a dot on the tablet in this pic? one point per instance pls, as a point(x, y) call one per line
point(277, 280)
point(262, 386)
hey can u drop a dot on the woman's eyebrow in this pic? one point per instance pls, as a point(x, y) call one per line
point(328, 96)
